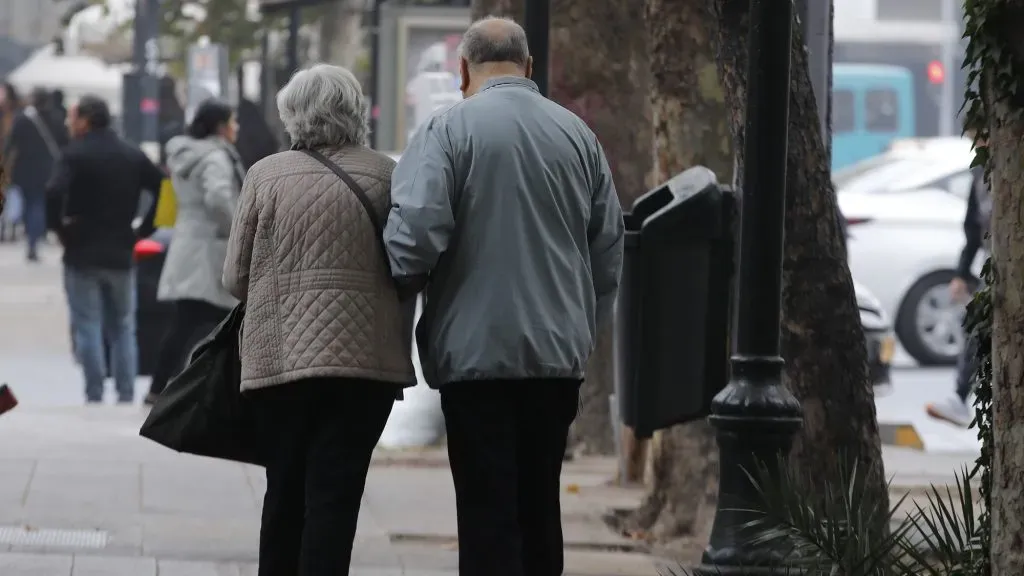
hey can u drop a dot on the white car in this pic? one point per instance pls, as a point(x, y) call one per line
point(905, 212)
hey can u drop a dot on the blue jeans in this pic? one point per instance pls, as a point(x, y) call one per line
point(34, 219)
point(102, 305)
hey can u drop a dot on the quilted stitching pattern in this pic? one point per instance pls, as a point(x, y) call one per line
point(321, 302)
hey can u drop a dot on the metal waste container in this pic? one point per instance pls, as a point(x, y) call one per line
point(672, 315)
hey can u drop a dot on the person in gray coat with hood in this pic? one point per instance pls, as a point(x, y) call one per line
point(503, 206)
point(207, 174)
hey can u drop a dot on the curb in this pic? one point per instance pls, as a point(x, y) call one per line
point(902, 434)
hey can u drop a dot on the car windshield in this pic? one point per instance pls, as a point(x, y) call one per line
point(900, 175)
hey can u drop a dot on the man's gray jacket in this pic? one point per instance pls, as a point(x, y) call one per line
point(506, 201)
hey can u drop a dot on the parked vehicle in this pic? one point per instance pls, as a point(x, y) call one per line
point(872, 105)
point(905, 217)
point(880, 339)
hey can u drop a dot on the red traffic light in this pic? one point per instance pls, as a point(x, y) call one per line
point(936, 72)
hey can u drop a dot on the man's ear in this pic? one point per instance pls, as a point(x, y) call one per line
point(463, 74)
point(529, 67)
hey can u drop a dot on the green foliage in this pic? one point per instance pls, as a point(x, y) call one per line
point(830, 533)
point(224, 22)
point(978, 325)
point(990, 68)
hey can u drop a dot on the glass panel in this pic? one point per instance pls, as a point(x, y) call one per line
point(843, 112)
point(881, 110)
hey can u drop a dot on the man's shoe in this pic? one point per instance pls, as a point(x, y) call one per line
point(952, 410)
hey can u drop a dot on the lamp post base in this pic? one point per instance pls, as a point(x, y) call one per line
point(756, 418)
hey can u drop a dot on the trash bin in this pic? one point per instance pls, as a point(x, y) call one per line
point(672, 315)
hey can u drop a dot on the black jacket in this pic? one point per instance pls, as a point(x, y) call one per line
point(28, 155)
point(94, 196)
point(974, 232)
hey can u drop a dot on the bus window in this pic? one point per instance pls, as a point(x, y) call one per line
point(843, 112)
point(881, 110)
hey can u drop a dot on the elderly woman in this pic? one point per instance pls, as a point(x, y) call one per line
point(323, 351)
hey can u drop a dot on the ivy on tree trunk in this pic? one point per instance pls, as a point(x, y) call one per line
point(996, 55)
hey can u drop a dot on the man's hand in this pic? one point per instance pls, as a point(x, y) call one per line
point(958, 289)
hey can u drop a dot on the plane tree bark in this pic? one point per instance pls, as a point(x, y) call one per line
point(822, 338)
point(691, 127)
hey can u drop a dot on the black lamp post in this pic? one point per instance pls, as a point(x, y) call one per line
point(755, 416)
point(538, 25)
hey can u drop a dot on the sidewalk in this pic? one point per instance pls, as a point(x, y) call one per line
point(81, 494)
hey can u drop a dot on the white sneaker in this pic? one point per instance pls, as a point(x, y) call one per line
point(952, 410)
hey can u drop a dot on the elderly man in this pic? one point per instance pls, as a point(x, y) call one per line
point(503, 206)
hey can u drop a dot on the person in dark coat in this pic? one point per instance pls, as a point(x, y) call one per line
point(93, 200)
point(256, 140)
point(977, 219)
point(31, 149)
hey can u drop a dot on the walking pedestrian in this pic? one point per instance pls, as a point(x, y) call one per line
point(323, 351)
point(207, 174)
point(33, 147)
point(503, 208)
point(92, 200)
point(955, 409)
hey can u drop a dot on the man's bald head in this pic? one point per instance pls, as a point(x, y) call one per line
point(495, 41)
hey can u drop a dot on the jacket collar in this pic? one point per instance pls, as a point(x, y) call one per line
point(517, 81)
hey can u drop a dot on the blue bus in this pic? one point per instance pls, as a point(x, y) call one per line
point(872, 105)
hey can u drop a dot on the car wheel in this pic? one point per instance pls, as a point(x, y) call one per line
point(929, 323)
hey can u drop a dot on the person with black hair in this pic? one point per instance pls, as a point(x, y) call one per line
point(256, 140)
point(207, 174)
point(92, 203)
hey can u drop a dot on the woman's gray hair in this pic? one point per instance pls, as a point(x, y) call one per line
point(323, 107)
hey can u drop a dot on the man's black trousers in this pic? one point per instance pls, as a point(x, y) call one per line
point(506, 441)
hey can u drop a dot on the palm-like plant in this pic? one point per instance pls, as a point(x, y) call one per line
point(834, 531)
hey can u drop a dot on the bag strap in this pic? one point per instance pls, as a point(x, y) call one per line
point(355, 188)
point(44, 131)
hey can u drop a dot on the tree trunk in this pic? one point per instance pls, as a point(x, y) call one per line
point(1004, 104)
point(822, 338)
point(691, 127)
point(514, 9)
point(341, 33)
point(599, 70)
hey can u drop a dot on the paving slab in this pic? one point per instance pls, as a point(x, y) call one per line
point(113, 566)
point(172, 488)
point(15, 476)
point(35, 565)
point(94, 486)
point(193, 568)
point(232, 538)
